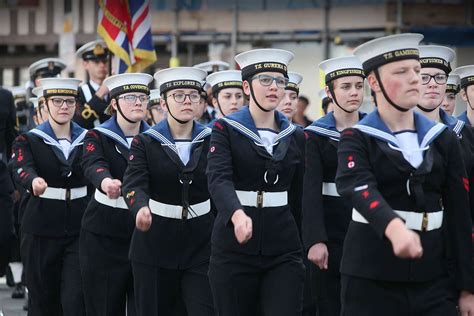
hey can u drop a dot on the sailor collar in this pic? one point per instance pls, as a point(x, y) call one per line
point(111, 129)
point(426, 129)
point(326, 126)
point(243, 123)
point(454, 124)
point(463, 117)
point(161, 132)
point(45, 131)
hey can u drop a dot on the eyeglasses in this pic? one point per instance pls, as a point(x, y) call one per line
point(438, 78)
point(266, 80)
point(58, 102)
point(180, 97)
point(132, 99)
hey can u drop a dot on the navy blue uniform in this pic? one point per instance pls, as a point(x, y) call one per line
point(267, 270)
point(170, 260)
point(50, 226)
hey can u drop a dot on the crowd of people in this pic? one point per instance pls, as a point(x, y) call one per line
point(214, 194)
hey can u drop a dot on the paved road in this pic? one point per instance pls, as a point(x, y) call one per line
point(9, 306)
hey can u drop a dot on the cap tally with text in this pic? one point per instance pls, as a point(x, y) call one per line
point(452, 86)
point(95, 50)
point(433, 56)
point(335, 68)
point(387, 49)
point(128, 82)
point(256, 61)
point(154, 97)
point(59, 86)
point(213, 66)
point(294, 80)
point(46, 67)
point(180, 78)
point(466, 75)
point(225, 79)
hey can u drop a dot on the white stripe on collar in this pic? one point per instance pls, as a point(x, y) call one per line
point(166, 142)
point(324, 132)
point(113, 135)
point(256, 137)
point(458, 127)
point(51, 141)
point(432, 133)
point(377, 133)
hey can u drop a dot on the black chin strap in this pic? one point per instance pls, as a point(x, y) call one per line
point(399, 108)
point(169, 111)
point(331, 89)
point(428, 110)
point(219, 106)
point(467, 98)
point(121, 113)
point(255, 99)
point(52, 117)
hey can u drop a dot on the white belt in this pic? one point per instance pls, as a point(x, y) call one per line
point(262, 199)
point(104, 199)
point(64, 194)
point(329, 188)
point(413, 220)
point(178, 211)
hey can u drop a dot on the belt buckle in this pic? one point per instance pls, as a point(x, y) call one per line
point(184, 213)
point(259, 199)
point(424, 222)
point(68, 194)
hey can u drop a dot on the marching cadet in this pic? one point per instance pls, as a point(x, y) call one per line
point(209, 111)
point(227, 93)
point(289, 102)
point(405, 177)
point(466, 75)
point(107, 225)
point(165, 187)
point(93, 95)
point(255, 176)
point(326, 215)
point(46, 162)
point(155, 112)
point(326, 103)
point(452, 89)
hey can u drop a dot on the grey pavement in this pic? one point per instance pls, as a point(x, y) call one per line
point(9, 306)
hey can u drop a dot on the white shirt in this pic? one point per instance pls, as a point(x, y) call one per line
point(184, 150)
point(94, 85)
point(65, 146)
point(410, 148)
point(129, 140)
point(268, 139)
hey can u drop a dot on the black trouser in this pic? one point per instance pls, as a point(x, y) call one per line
point(160, 291)
point(242, 284)
point(107, 277)
point(326, 284)
point(53, 275)
point(364, 297)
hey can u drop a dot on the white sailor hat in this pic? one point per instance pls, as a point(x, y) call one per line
point(95, 50)
point(387, 49)
point(322, 94)
point(341, 67)
point(128, 82)
point(34, 101)
point(225, 79)
point(466, 74)
point(433, 56)
point(452, 85)
point(213, 66)
point(154, 97)
point(59, 86)
point(294, 80)
point(180, 77)
point(263, 60)
point(18, 91)
point(38, 91)
point(46, 67)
